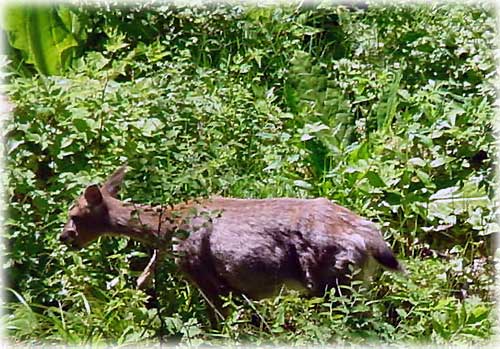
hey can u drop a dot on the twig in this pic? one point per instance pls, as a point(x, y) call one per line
point(260, 316)
point(162, 321)
point(101, 122)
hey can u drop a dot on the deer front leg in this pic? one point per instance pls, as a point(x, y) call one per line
point(144, 280)
point(210, 289)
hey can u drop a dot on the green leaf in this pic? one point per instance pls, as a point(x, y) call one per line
point(302, 184)
point(425, 178)
point(41, 36)
point(375, 179)
point(417, 162)
point(149, 126)
point(388, 105)
point(480, 313)
point(438, 162)
point(83, 124)
point(306, 137)
point(66, 142)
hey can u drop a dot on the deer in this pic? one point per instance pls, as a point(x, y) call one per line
point(248, 247)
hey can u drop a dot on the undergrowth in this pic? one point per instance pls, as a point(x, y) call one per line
point(387, 110)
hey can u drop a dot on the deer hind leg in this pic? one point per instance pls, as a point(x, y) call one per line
point(325, 271)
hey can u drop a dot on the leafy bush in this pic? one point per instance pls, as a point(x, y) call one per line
point(386, 110)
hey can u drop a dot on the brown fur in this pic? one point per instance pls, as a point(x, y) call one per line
point(245, 246)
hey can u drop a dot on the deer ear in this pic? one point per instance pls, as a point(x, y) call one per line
point(93, 195)
point(112, 184)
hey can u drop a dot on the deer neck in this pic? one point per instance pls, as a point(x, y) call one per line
point(152, 226)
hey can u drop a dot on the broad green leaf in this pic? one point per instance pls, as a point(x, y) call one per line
point(42, 37)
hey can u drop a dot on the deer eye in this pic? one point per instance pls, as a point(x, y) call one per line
point(75, 219)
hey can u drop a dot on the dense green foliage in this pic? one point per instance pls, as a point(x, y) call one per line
point(44, 37)
point(387, 110)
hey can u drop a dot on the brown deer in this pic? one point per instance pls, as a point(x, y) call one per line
point(245, 246)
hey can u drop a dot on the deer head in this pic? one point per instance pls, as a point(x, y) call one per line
point(94, 213)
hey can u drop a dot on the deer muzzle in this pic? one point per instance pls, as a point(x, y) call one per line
point(69, 234)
